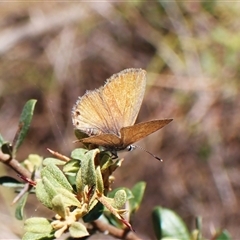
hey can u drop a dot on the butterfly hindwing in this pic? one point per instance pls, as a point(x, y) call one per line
point(104, 140)
point(134, 133)
point(89, 114)
point(129, 135)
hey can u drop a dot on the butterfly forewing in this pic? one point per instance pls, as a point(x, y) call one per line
point(123, 95)
point(113, 106)
point(132, 134)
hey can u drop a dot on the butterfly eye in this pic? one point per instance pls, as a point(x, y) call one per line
point(130, 148)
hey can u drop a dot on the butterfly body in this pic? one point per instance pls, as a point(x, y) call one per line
point(107, 115)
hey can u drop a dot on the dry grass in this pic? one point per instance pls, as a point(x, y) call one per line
point(53, 52)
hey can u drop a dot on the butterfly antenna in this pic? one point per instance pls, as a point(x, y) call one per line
point(158, 158)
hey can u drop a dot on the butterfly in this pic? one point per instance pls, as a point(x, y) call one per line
point(107, 115)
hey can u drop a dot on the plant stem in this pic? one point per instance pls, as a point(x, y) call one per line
point(15, 165)
point(125, 234)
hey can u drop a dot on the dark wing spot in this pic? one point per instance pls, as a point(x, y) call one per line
point(77, 112)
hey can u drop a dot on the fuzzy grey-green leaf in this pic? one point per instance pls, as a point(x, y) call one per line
point(54, 161)
point(37, 236)
point(78, 230)
point(79, 182)
point(37, 228)
point(100, 185)
point(79, 153)
point(37, 225)
point(43, 193)
point(56, 176)
point(127, 191)
point(88, 173)
point(120, 198)
point(59, 206)
point(68, 197)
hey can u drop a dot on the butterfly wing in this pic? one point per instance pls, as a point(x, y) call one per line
point(89, 115)
point(129, 135)
point(105, 140)
point(113, 106)
point(123, 94)
point(134, 133)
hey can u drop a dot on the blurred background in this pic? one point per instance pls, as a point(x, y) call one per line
point(54, 52)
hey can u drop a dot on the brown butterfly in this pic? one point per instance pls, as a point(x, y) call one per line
point(107, 115)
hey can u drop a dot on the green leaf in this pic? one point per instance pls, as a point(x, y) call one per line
point(167, 224)
point(56, 176)
point(72, 166)
point(20, 206)
point(79, 153)
point(25, 120)
point(48, 195)
point(224, 236)
point(7, 181)
point(138, 192)
point(197, 233)
point(35, 159)
point(38, 236)
point(106, 160)
point(209, 6)
point(99, 181)
point(78, 230)
point(44, 193)
point(58, 206)
point(1, 140)
point(111, 218)
point(94, 213)
point(79, 182)
point(71, 177)
point(127, 191)
point(120, 198)
point(80, 134)
point(54, 161)
point(87, 174)
point(68, 197)
point(38, 225)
